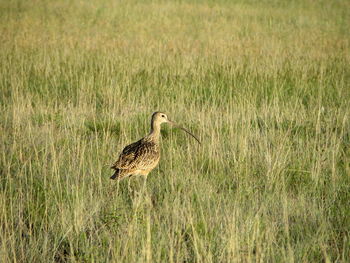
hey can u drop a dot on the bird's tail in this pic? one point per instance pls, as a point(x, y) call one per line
point(116, 174)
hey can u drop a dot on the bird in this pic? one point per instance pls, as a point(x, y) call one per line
point(142, 156)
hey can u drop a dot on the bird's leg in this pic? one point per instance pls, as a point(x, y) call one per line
point(129, 188)
point(144, 183)
point(118, 186)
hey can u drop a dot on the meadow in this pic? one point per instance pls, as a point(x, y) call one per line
point(264, 84)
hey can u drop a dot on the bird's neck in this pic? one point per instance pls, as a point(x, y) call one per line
point(154, 133)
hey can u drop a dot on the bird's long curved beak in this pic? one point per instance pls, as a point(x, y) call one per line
point(174, 124)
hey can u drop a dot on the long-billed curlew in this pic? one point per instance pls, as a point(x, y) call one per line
point(141, 157)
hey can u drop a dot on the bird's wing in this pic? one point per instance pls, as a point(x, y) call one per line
point(127, 156)
point(137, 155)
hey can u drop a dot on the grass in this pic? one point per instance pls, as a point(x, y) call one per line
point(264, 84)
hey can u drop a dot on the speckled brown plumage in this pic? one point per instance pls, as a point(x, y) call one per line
point(141, 157)
point(137, 158)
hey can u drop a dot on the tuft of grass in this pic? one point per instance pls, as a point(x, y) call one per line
point(101, 127)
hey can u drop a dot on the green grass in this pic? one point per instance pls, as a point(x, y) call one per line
point(264, 84)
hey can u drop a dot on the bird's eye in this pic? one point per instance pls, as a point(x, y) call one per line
point(163, 116)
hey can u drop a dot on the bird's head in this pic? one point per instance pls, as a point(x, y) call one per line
point(160, 117)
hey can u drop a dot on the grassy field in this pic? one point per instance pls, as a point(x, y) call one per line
point(264, 84)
